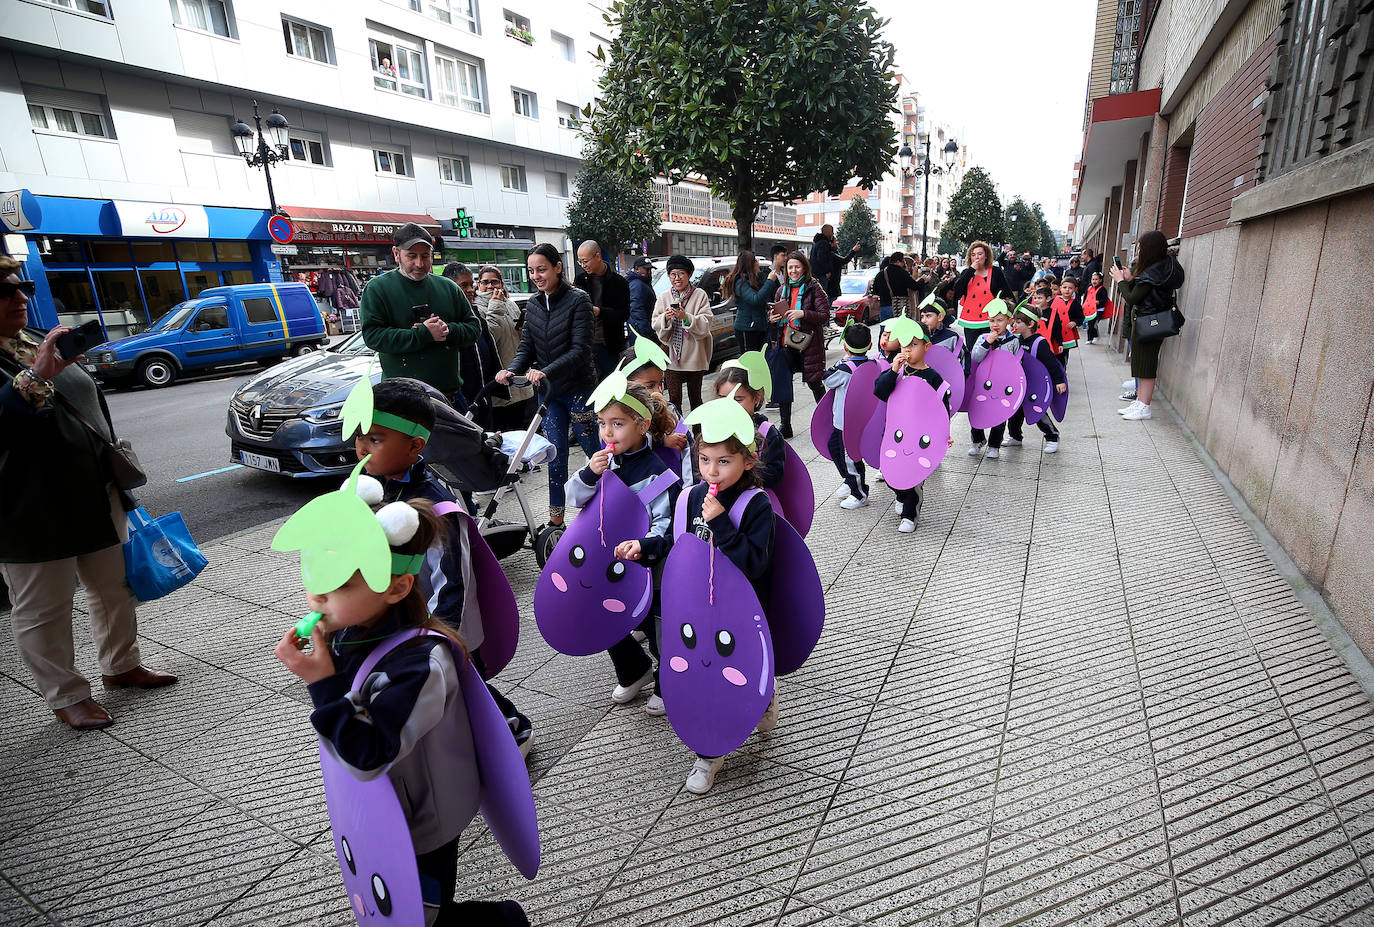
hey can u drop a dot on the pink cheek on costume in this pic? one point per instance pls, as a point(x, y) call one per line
point(358, 906)
point(1037, 408)
point(613, 605)
point(981, 398)
point(734, 676)
point(559, 582)
point(890, 453)
point(1006, 404)
point(924, 462)
point(678, 665)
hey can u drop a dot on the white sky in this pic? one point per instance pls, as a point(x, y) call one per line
point(969, 61)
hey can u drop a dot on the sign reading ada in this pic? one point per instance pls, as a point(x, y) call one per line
point(161, 220)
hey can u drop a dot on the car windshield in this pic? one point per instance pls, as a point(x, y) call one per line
point(352, 345)
point(853, 283)
point(176, 317)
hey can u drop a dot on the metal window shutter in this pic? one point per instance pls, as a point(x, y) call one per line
point(205, 133)
point(64, 99)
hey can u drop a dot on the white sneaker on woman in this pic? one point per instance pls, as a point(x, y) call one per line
point(1139, 414)
point(1130, 408)
point(1128, 384)
point(703, 774)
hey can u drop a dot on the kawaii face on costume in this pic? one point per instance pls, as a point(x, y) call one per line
point(1001, 382)
point(915, 434)
point(732, 649)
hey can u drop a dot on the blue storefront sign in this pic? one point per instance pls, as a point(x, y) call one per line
point(127, 263)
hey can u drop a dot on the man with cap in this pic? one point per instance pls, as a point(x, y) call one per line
point(415, 320)
point(610, 304)
point(642, 297)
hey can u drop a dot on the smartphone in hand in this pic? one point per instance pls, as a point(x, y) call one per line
point(1117, 261)
point(74, 343)
point(420, 313)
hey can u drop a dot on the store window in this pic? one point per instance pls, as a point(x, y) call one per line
point(197, 280)
point(233, 252)
point(64, 251)
point(236, 277)
point(161, 291)
point(153, 252)
point(110, 252)
point(121, 303)
point(73, 298)
point(195, 251)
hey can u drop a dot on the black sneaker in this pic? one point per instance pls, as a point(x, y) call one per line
point(524, 735)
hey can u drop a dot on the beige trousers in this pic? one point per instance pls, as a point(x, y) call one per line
point(42, 615)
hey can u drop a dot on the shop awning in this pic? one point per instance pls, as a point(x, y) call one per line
point(351, 225)
point(1113, 138)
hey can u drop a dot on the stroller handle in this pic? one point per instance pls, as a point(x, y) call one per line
point(542, 390)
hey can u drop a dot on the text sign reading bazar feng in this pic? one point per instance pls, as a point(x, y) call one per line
point(381, 233)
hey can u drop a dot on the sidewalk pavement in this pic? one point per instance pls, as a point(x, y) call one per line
point(1080, 694)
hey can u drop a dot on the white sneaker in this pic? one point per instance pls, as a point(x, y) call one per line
point(897, 507)
point(1129, 408)
point(843, 491)
point(993, 453)
point(623, 694)
point(975, 449)
point(1051, 447)
point(1139, 414)
point(1128, 384)
point(703, 774)
point(1012, 442)
point(854, 502)
point(654, 706)
point(770, 717)
point(638, 635)
point(907, 526)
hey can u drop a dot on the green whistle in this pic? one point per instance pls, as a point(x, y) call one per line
point(307, 624)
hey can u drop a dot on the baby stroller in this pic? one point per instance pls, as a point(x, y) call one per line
point(472, 461)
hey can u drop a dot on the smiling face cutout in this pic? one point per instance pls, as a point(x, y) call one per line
point(915, 434)
point(999, 387)
point(716, 670)
point(586, 600)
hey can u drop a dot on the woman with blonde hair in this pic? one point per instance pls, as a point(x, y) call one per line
point(980, 282)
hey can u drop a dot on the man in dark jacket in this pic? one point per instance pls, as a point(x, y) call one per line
point(415, 320)
point(610, 304)
point(1011, 270)
point(1091, 265)
point(826, 261)
point(642, 298)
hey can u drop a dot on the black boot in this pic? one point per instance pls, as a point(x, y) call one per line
point(785, 414)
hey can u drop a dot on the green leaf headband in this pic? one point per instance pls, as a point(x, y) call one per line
point(647, 351)
point(723, 418)
point(997, 307)
point(929, 301)
point(1027, 311)
point(359, 415)
point(616, 388)
point(756, 365)
point(905, 330)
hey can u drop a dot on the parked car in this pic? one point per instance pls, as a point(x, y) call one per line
point(708, 275)
point(854, 288)
point(224, 325)
point(287, 419)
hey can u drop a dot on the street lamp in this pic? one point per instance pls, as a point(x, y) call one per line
point(255, 148)
point(926, 168)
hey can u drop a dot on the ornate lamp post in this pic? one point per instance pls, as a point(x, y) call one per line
point(925, 168)
point(258, 152)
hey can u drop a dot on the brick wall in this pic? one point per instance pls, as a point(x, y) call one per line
point(1226, 144)
point(1171, 190)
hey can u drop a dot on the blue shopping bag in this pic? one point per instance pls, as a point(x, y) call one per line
point(160, 555)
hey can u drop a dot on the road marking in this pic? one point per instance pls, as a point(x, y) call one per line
point(187, 479)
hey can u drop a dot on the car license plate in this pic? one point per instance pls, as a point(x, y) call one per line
point(260, 461)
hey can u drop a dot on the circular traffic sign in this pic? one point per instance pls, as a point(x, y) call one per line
point(281, 229)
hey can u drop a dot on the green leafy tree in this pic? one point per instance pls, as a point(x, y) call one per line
point(858, 225)
point(1023, 232)
point(975, 211)
point(1048, 244)
point(950, 245)
point(610, 207)
point(764, 100)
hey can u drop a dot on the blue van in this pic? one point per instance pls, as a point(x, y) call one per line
point(224, 325)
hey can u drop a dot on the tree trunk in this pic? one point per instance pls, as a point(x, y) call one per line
point(744, 226)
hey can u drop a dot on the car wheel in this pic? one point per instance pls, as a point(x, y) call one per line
point(156, 372)
point(303, 349)
point(546, 541)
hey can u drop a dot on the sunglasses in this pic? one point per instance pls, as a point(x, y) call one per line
point(7, 289)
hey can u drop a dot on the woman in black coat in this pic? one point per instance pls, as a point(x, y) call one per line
point(556, 344)
point(1151, 285)
point(979, 284)
point(893, 281)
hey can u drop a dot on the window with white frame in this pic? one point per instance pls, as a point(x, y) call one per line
point(307, 147)
point(455, 169)
point(513, 178)
point(391, 161)
point(206, 15)
point(567, 115)
point(94, 7)
point(526, 103)
point(307, 40)
point(458, 82)
point(564, 45)
point(518, 27)
point(203, 133)
point(68, 112)
point(556, 183)
point(398, 65)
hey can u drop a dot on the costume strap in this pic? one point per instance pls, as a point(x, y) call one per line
point(381, 650)
point(658, 486)
point(742, 503)
point(448, 508)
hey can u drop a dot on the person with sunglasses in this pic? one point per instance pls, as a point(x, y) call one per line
point(61, 516)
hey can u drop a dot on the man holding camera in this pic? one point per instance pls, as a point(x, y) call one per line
point(416, 321)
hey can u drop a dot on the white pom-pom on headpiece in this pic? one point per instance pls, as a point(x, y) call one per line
point(400, 521)
point(369, 489)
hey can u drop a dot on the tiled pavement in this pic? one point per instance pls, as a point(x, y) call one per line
point(1079, 694)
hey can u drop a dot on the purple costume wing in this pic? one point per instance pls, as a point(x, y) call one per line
point(796, 614)
point(823, 423)
point(495, 599)
point(507, 803)
point(716, 669)
point(795, 498)
point(944, 362)
point(999, 387)
point(859, 403)
point(916, 433)
point(1039, 388)
point(1059, 402)
point(586, 600)
point(872, 441)
point(373, 846)
point(671, 457)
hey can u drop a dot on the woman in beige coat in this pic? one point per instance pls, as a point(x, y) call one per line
point(682, 318)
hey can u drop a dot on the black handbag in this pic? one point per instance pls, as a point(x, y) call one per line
point(1156, 326)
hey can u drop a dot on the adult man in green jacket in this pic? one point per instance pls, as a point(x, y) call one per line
point(416, 321)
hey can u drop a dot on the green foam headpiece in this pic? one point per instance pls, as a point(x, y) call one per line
point(359, 414)
point(1027, 311)
point(756, 365)
point(616, 388)
point(930, 300)
point(723, 418)
point(647, 351)
point(905, 330)
point(338, 535)
point(998, 307)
